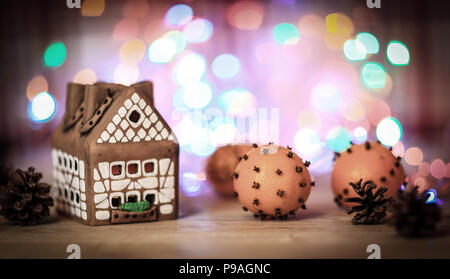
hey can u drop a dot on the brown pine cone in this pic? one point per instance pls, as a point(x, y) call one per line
point(413, 216)
point(24, 200)
point(371, 206)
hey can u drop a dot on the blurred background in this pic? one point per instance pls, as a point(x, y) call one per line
point(316, 74)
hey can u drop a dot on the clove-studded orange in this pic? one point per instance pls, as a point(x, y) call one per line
point(370, 161)
point(271, 180)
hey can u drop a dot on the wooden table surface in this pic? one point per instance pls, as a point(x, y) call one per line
point(210, 227)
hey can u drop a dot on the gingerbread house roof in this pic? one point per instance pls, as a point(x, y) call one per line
point(105, 113)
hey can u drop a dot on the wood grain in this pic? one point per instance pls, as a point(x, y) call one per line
point(210, 227)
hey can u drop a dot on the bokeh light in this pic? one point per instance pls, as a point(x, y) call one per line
point(378, 109)
point(369, 41)
point(310, 119)
point(178, 38)
point(136, 9)
point(398, 149)
point(162, 50)
point(201, 144)
point(126, 29)
point(397, 53)
point(413, 156)
point(339, 29)
point(179, 15)
point(338, 139)
point(307, 141)
point(55, 55)
point(42, 107)
point(286, 33)
point(339, 24)
point(373, 75)
point(389, 131)
point(424, 169)
point(190, 69)
point(238, 102)
point(336, 41)
point(198, 31)
point(438, 169)
point(86, 76)
point(326, 97)
point(132, 52)
point(245, 15)
point(312, 26)
point(190, 184)
point(35, 86)
point(126, 74)
point(197, 96)
point(224, 134)
point(225, 66)
point(384, 91)
point(262, 49)
point(354, 50)
point(92, 7)
point(359, 134)
point(353, 110)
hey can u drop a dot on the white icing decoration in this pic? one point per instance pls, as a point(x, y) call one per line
point(148, 182)
point(170, 182)
point(104, 169)
point(102, 215)
point(119, 185)
point(164, 165)
point(135, 97)
point(99, 198)
point(166, 209)
point(99, 187)
point(96, 175)
point(76, 183)
point(104, 204)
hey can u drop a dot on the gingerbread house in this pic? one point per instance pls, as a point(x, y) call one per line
point(113, 150)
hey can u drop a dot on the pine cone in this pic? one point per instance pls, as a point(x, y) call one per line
point(24, 200)
point(412, 215)
point(372, 206)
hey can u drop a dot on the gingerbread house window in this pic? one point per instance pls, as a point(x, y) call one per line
point(150, 198)
point(70, 163)
point(133, 196)
point(133, 169)
point(149, 167)
point(118, 170)
point(116, 201)
point(135, 116)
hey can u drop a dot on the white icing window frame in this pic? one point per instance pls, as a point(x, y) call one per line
point(154, 192)
point(155, 167)
point(138, 173)
point(120, 176)
point(141, 116)
point(115, 194)
point(134, 192)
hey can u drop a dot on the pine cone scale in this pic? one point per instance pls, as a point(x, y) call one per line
point(24, 199)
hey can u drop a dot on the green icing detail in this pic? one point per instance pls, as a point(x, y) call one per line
point(135, 206)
